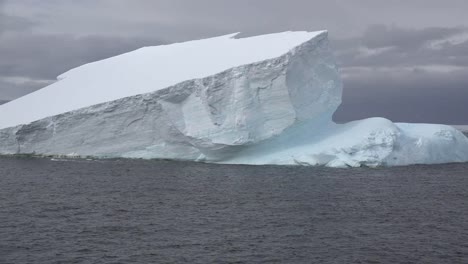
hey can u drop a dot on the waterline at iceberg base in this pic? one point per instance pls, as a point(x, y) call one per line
point(260, 100)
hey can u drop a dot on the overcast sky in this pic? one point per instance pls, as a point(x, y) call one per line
point(406, 60)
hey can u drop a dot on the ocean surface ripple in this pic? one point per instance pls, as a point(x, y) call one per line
point(130, 211)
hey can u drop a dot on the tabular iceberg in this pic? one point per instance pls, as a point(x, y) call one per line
point(260, 100)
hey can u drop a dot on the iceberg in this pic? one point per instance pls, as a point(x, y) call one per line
point(260, 100)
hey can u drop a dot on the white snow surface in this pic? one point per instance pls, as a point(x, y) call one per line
point(260, 100)
point(146, 70)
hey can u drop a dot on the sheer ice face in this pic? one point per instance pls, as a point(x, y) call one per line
point(146, 70)
point(260, 100)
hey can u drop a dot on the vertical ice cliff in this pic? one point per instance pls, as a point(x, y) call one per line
point(261, 100)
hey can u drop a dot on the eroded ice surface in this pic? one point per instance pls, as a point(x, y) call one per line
point(369, 142)
point(261, 100)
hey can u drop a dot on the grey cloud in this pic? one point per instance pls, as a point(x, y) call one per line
point(10, 90)
point(407, 97)
point(377, 36)
point(2, 17)
point(12, 23)
point(47, 56)
point(399, 83)
point(406, 47)
point(180, 19)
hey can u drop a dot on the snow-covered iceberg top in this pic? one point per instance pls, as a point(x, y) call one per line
point(260, 100)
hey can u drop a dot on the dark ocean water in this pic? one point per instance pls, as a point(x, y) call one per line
point(124, 211)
